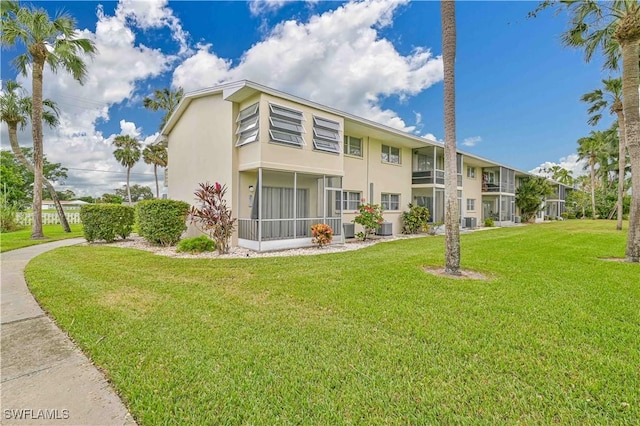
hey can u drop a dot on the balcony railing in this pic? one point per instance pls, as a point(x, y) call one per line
point(284, 229)
point(427, 177)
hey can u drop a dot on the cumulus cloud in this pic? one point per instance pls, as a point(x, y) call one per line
point(432, 137)
point(571, 163)
point(471, 141)
point(337, 58)
point(258, 7)
point(113, 76)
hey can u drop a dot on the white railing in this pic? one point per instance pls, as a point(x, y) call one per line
point(47, 218)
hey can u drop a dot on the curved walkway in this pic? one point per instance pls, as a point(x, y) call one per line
point(46, 379)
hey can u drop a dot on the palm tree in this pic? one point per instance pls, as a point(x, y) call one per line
point(590, 148)
point(611, 96)
point(562, 175)
point(613, 28)
point(14, 110)
point(52, 42)
point(156, 154)
point(164, 100)
point(127, 152)
point(451, 217)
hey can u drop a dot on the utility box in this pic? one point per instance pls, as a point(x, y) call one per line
point(470, 222)
point(385, 229)
point(349, 230)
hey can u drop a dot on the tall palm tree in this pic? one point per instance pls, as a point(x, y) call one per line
point(127, 152)
point(15, 110)
point(590, 148)
point(562, 175)
point(611, 96)
point(156, 154)
point(51, 42)
point(164, 100)
point(451, 216)
point(613, 27)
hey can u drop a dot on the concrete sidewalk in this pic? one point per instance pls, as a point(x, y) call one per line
point(46, 380)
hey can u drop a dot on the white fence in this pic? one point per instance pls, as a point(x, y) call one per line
point(47, 218)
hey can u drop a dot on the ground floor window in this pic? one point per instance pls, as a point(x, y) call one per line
point(390, 201)
point(471, 204)
point(351, 200)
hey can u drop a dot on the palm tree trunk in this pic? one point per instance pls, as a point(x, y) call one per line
point(451, 216)
point(128, 186)
point(15, 147)
point(631, 106)
point(593, 188)
point(622, 159)
point(155, 173)
point(36, 126)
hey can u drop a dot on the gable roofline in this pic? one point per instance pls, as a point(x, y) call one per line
point(237, 90)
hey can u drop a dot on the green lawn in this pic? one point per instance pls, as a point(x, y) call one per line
point(363, 337)
point(22, 237)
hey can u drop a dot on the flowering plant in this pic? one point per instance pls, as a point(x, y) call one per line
point(370, 217)
point(322, 234)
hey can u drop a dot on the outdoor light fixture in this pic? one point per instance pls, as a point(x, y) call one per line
point(250, 188)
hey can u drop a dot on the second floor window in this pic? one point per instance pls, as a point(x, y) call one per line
point(286, 125)
point(352, 146)
point(471, 172)
point(390, 154)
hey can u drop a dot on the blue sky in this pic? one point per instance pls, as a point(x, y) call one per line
point(518, 88)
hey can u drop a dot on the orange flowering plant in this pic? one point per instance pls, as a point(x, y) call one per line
point(322, 234)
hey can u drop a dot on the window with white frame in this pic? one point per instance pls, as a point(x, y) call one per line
point(471, 204)
point(353, 146)
point(390, 154)
point(326, 135)
point(390, 201)
point(248, 125)
point(351, 200)
point(285, 125)
point(471, 172)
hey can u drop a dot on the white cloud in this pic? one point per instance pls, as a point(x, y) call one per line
point(113, 76)
point(570, 162)
point(471, 141)
point(337, 59)
point(259, 7)
point(432, 137)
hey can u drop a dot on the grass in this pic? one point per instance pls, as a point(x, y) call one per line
point(22, 237)
point(363, 337)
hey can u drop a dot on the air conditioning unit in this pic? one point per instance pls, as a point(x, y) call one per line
point(470, 222)
point(349, 230)
point(385, 229)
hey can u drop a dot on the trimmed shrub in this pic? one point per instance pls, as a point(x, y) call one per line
point(162, 222)
point(196, 245)
point(415, 220)
point(106, 221)
point(488, 222)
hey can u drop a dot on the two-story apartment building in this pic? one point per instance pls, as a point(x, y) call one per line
point(290, 163)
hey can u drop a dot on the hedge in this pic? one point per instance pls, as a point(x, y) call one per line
point(106, 221)
point(162, 222)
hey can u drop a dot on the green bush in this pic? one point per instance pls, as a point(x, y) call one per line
point(8, 212)
point(196, 245)
point(415, 220)
point(488, 222)
point(106, 221)
point(162, 222)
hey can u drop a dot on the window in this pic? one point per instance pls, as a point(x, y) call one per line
point(390, 154)
point(471, 204)
point(351, 200)
point(285, 125)
point(471, 172)
point(248, 125)
point(353, 146)
point(390, 201)
point(326, 135)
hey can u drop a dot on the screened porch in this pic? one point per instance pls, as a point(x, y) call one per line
point(278, 209)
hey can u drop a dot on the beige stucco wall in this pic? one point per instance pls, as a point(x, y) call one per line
point(276, 156)
point(472, 188)
point(360, 172)
point(199, 140)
